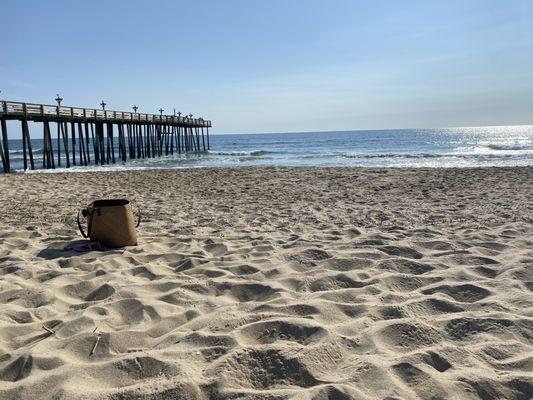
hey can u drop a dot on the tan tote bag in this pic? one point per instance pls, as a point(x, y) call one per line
point(110, 222)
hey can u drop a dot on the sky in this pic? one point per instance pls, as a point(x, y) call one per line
point(278, 65)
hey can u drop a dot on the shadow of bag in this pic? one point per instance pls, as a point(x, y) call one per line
point(110, 222)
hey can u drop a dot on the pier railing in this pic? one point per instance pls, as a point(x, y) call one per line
point(90, 133)
point(37, 112)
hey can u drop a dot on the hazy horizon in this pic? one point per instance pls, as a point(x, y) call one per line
point(371, 130)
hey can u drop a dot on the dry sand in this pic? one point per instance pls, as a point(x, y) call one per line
point(272, 283)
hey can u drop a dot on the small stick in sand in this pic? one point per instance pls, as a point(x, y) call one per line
point(95, 344)
point(51, 331)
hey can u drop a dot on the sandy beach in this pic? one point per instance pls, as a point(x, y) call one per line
point(272, 283)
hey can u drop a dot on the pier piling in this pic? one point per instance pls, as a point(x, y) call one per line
point(5, 150)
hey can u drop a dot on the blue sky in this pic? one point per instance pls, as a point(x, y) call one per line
point(278, 66)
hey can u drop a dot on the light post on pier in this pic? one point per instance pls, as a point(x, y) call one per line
point(103, 104)
point(59, 99)
point(160, 132)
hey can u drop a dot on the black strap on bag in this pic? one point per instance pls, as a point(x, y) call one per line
point(138, 219)
point(85, 212)
point(79, 223)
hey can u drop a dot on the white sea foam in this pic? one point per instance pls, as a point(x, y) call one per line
point(513, 147)
point(495, 151)
point(238, 153)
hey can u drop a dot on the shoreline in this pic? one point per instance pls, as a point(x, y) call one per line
point(94, 169)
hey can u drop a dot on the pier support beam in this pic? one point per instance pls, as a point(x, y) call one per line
point(48, 151)
point(64, 131)
point(26, 146)
point(4, 147)
point(73, 133)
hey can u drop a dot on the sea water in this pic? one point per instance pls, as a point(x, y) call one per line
point(443, 147)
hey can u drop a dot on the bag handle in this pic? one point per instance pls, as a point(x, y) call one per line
point(80, 227)
point(138, 218)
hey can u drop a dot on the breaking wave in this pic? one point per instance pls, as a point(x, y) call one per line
point(239, 153)
point(471, 154)
point(513, 147)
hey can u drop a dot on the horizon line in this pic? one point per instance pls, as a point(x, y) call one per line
point(368, 130)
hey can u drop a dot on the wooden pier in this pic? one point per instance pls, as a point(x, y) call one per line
point(87, 136)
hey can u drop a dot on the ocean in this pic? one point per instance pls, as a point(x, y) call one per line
point(443, 147)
